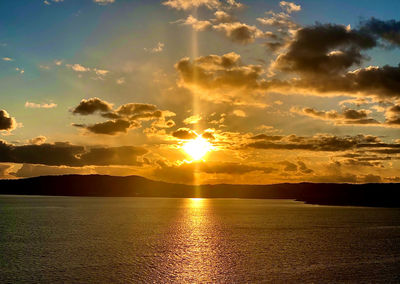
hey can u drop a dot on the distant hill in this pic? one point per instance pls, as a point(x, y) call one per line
point(383, 195)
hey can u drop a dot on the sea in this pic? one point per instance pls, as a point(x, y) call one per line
point(168, 240)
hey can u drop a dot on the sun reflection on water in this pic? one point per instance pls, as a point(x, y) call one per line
point(194, 244)
point(196, 202)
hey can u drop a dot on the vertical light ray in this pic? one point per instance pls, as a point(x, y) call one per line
point(195, 102)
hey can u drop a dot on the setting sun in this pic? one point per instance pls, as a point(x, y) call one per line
point(197, 148)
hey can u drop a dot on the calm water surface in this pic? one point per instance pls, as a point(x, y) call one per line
point(163, 240)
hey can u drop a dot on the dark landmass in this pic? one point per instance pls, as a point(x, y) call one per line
point(372, 194)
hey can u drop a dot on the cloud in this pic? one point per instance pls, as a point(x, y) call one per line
point(120, 81)
point(28, 170)
point(239, 32)
point(189, 4)
point(209, 4)
point(224, 22)
point(319, 58)
point(124, 155)
point(122, 119)
point(100, 2)
point(35, 105)
point(104, 2)
point(78, 67)
point(112, 127)
point(388, 31)
point(184, 133)
point(288, 166)
point(303, 168)
point(38, 140)
point(322, 56)
point(66, 154)
point(223, 17)
point(135, 108)
point(91, 106)
point(100, 73)
point(7, 123)
point(192, 119)
point(196, 24)
point(281, 26)
point(300, 167)
point(235, 31)
point(157, 49)
point(48, 2)
point(20, 70)
point(348, 116)
point(324, 49)
point(221, 78)
point(322, 142)
point(392, 115)
point(239, 113)
point(290, 7)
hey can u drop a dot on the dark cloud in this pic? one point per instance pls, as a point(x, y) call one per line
point(387, 30)
point(363, 163)
point(59, 153)
point(28, 170)
point(392, 115)
point(91, 106)
point(124, 118)
point(329, 143)
point(7, 123)
point(303, 168)
point(184, 133)
point(348, 116)
point(66, 154)
point(111, 127)
point(267, 137)
point(323, 54)
point(325, 49)
point(288, 166)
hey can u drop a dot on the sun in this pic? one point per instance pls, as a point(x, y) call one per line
point(197, 148)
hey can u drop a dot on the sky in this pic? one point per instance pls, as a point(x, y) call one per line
point(201, 91)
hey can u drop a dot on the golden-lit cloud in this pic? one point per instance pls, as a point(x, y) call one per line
point(36, 105)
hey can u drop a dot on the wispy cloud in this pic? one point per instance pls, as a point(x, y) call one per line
point(43, 105)
point(157, 49)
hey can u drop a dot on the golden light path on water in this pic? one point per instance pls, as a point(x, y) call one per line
point(194, 251)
